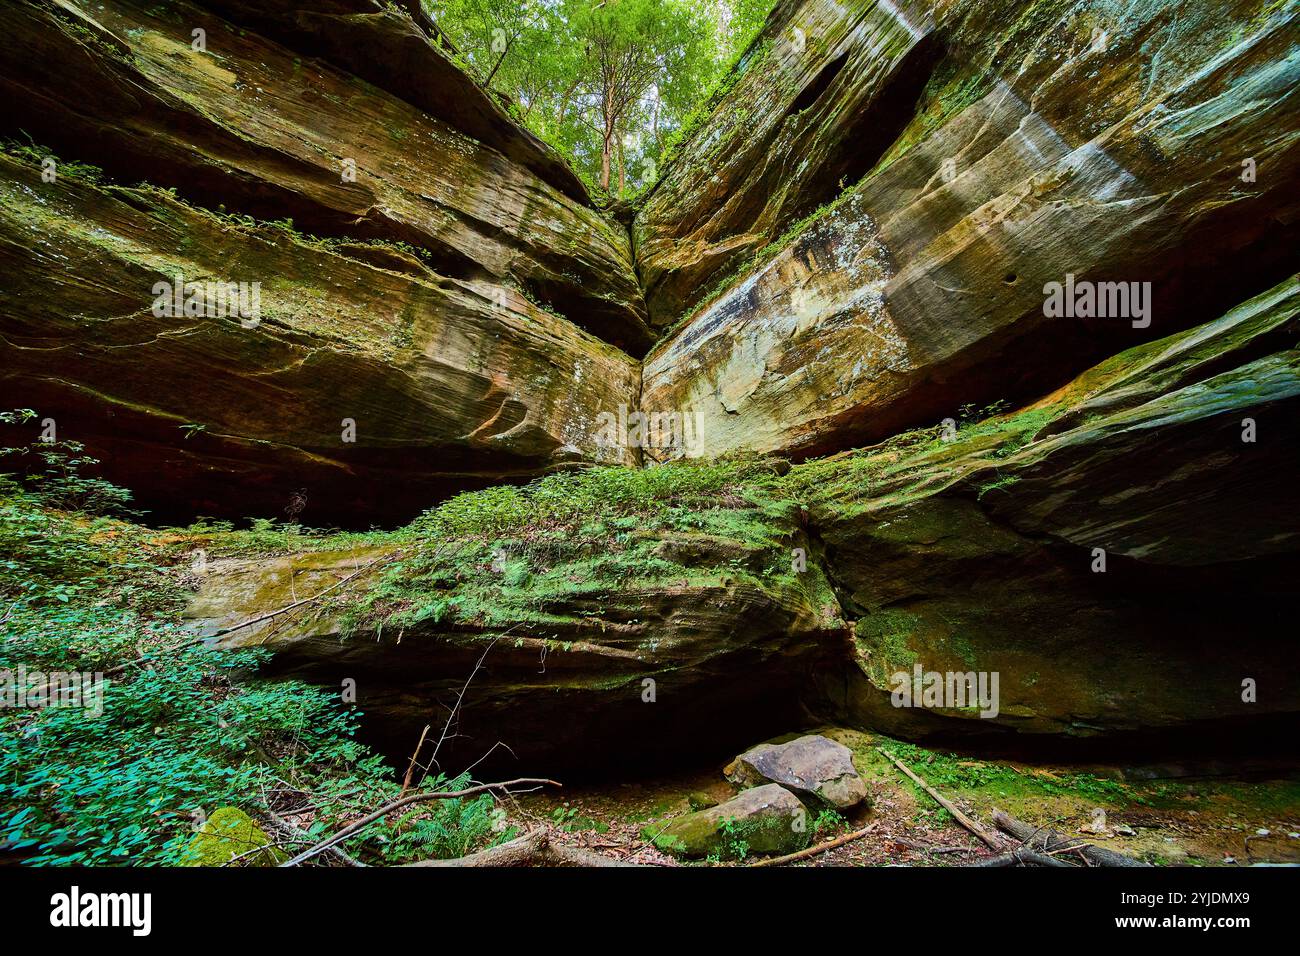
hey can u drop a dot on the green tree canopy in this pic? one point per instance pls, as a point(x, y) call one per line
point(607, 82)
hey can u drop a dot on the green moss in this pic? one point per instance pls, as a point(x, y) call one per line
point(231, 837)
point(34, 153)
point(883, 644)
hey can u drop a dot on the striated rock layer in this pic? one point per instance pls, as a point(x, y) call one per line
point(1079, 558)
point(268, 130)
point(1122, 556)
point(376, 388)
point(572, 651)
point(446, 310)
point(1056, 143)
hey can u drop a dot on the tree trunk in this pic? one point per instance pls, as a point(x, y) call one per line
point(622, 170)
point(604, 165)
point(501, 59)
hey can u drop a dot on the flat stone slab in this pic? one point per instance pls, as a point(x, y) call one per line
point(812, 765)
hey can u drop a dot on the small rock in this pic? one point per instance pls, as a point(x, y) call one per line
point(809, 766)
point(768, 819)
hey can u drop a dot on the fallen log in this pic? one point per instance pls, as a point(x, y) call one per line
point(815, 850)
point(1022, 855)
point(531, 849)
point(1040, 838)
point(957, 815)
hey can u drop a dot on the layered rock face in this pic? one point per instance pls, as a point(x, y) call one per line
point(816, 100)
point(1121, 557)
point(576, 650)
point(1055, 143)
point(447, 311)
point(448, 358)
point(255, 127)
point(374, 383)
point(1114, 561)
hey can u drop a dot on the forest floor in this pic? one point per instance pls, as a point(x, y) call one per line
point(1204, 821)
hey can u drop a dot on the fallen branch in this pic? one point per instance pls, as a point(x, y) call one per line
point(819, 848)
point(531, 849)
point(301, 837)
point(990, 840)
point(1043, 839)
point(1020, 856)
point(406, 801)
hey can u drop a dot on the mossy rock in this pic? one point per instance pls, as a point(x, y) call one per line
point(230, 833)
point(766, 819)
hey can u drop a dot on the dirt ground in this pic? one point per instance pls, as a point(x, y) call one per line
point(1216, 821)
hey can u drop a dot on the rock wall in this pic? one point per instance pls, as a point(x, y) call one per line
point(1150, 143)
point(431, 316)
point(579, 650)
point(856, 244)
point(367, 379)
point(1122, 555)
point(1081, 550)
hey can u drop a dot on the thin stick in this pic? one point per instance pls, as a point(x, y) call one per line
point(397, 804)
point(819, 848)
point(957, 815)
point(410, 769)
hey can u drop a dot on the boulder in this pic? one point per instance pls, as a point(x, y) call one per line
point(767, 819)
point(229, 835)
point(810, 766)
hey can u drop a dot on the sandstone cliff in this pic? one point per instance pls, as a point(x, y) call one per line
point(840, 281)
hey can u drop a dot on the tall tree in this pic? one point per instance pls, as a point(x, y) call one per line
point(604, 81)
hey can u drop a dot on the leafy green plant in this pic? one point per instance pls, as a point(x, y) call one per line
point(827, 820)
point(55, 475)
point(734, 844)
point(180, 730)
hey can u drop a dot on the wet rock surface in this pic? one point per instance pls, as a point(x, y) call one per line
point(1051, 525)
point(1045, 144)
